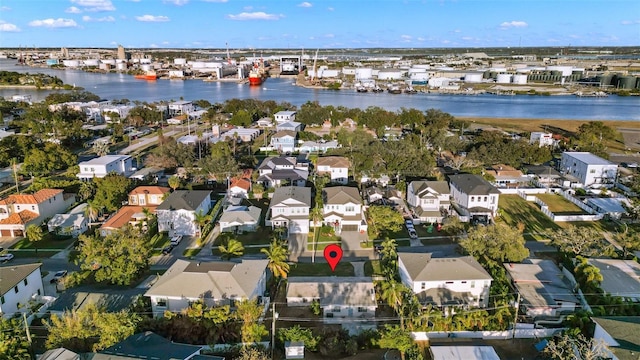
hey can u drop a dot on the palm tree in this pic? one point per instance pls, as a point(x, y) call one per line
point(174, 182)
point(92, 211)
point(393, 293)
point(277, 254)
point(101, 148)
point(34, 234)
point(201, 220)
point(87, 189)
point(232, 248)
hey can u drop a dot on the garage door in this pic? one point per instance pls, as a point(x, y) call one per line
point(5, 232)
point(349, 227)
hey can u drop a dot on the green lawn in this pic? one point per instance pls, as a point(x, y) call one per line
point(372, 268)
point(321, 269)
point(159, 241)
point(324, 238)
point(262, 236)
point(559, 205)
point(48, 241)
point(191, 252)
point(516, 210)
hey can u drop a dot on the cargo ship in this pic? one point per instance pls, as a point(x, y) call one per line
point(257, 75)
point(149, 75)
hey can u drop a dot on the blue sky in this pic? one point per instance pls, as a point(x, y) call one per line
point(318, 24)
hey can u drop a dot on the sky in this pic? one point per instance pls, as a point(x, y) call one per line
point(323, 24)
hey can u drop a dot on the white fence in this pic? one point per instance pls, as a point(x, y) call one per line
point(577, 202)
point(563, 218)
point(521, 332)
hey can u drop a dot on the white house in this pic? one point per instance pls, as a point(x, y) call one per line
point(342, 209)
point(284, 116)
point(289, 208)
point(177, 108)
point(337, 167)
point(430, 200)
point(289, 125)
point(176, 214)
point(474, 196)
point(101, 166)
point(240, 218)
point(276, 170)
point(341, 298)
point(542, 138)
point(589, 169)
point(68, 224)
point(19, 285)
point(215, 283)
point(17, 211)
point(447, 281)
point(284, 141)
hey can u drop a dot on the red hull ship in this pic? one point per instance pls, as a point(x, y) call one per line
point(147, 76)
point(257, 75)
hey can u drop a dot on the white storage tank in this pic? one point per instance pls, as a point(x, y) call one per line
point(145, 67)
point(503, 79)
point(520, 79)
point(91, 62)
point(364, 73)
point(180, 61)
point(474, 77)
point(71, 63)
point(109, 61)
point(145, 61)
point(121, 66)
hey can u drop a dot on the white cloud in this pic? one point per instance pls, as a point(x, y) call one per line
point(329, 36)
point(247, 8)
point(73, 10)
point(152, 18)
point(258, 15)
point(102, 19)
point(305, 4)
point(330, 9)
point(5, 8)
point(466, 38)
point(95, 5)
point(153, 46)
point(54, 23)
point(113, 43)
point(176, 2)
point(406, 37)
point(8, 27)
point(513, 24)
point(630, 22)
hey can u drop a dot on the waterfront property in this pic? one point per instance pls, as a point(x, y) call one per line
point(589, 170)
point(474, 198)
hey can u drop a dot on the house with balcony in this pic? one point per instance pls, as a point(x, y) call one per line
point(181, 107)
point(282, 170)
point(284, 116)
point(215, 283)
point(445, 281)
point(17, 211)
point(101, 166)
point(337, 167)
point(177, 213)
point(591, 171)
point(474, 198)
point(506, 176)
point(20, 284)
point(284, 141)
point(429, 200)
point(542, 139)
point(143, 201)
point(289, 208)
point(342, 209)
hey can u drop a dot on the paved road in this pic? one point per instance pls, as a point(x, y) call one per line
point(146, 141)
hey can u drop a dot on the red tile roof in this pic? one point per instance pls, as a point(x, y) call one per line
point(36, 198)
point(241, 183)
point(19, 218)
point(150, 190)
point(124, 215)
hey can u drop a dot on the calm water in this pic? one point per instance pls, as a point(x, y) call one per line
point(119, 86)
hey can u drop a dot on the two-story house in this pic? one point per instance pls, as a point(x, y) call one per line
point(429, 200)
point(445, 281)
point(284, 116)
point(19, 285)
point(474, 198)
point(337, 167)
point(17, 211)
point(284, 141)
point(506, 176)
point(342, 209)
point(143, 200)
point(181, 107)
point(282, 170)
point(289, 125)
point(589, 169)
point(289, 208)
point(101, 166)
point(215, 283)
point(177, 213)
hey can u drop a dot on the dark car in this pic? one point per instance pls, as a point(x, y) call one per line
point(167, 249)
point(57, 276)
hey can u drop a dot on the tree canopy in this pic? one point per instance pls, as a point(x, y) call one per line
point(111, 191)
point(383, 218)
point(495, 244)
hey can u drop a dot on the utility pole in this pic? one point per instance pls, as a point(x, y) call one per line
point(515, 318)
point(26, 327)
point(274, 315)
point(15, 175)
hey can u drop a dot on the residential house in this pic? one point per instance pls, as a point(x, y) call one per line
point(148, 195)
point(612, 208)
point(375, 195)
point(542, 138)
point(241, 134)
point(59, 354)
point(619, 277)
point(289, 208)
point(281, 170)
point(620, 334)
point(181, 107)
point(589, 169)
point(506, 176)
point(474, 198)
point(19, 284)
point(445, 281)
point(429, 200)
point(341, 298)
point(342, 209)
point(68, 224)
point(148, 345)
point(241, 185)
point(543, 288)
point(337, 167)
point(17, 211)
point(264, 122)
point(143, 200)
point(284, 141)
point(101, 166)
point(543, 175)
point(318, 146)
point(176, 214)
point(284, 116)
point(215, 283)
point(289, 126)
point(238, 218)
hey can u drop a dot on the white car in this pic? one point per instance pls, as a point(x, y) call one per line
point(175, 240)
point(6, 257)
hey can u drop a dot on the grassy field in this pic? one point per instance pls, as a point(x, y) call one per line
point(372, 267)
point(516, 210)
point(49, 242)
point(321, 269)
point(559, 205)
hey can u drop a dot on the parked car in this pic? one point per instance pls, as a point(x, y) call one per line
point(413, 234)
point(57, 276)
point(175, 240)
point(6, 257)
point(167, 249)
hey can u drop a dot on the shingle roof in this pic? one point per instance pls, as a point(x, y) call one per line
point(340, 195)
point(184, 200)
point(333, 161)
point(472, 184)
point(283, 133)
point(424, 267)
point(216, 279)
point(241, 215)
point(424, 187)
point(35, 198)
point(296, 193)
point(624, 330)
point(10, 276)
point(333, 290)
point(149, 345)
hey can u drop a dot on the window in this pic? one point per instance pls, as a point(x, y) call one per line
point(473, 284)
point(448, 282)
point(336, 309)
point(161, 302)
point(473, 199)
point(15, 289)
point(1, 299)
point(423, 286)
point(485, 199)
point(362, 309)
point(350, 208)
point(33, 207)
point(142, 200)
point(329, 315)
point(25, 282)
point(592, 171)
point(428, 201)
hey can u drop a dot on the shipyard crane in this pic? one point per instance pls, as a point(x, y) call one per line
point(228, 55)
point(314, 76)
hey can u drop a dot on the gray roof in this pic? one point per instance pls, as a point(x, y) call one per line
point(472, 184)
point(289, 195)
point(285, 174)
point(619, 277)
point(588, 158)
point(542, 171)
point(541, 283)
point(624, 330)
point(272, 162)
point(59, 354)
point(333, 290)
point(283, 133)
point(341, 195)
point(215, 279)
point(184, 200)
point(608, 205)
point(65, 220)
point(11, 275)
point(424, 267)
point(241, 214)
point(149, 345)
point(110, 300)
point(424, 187)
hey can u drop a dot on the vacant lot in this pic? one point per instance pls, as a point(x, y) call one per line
point(559, 205)
point(516, 210)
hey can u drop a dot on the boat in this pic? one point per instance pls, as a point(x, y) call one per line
point(594, 94)
point(377, 89)
point(394, 89)
point(361, 89)
point(257, 75)
point(149, 75)
point(410, 90)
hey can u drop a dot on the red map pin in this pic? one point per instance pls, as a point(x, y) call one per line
point(333, 254)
